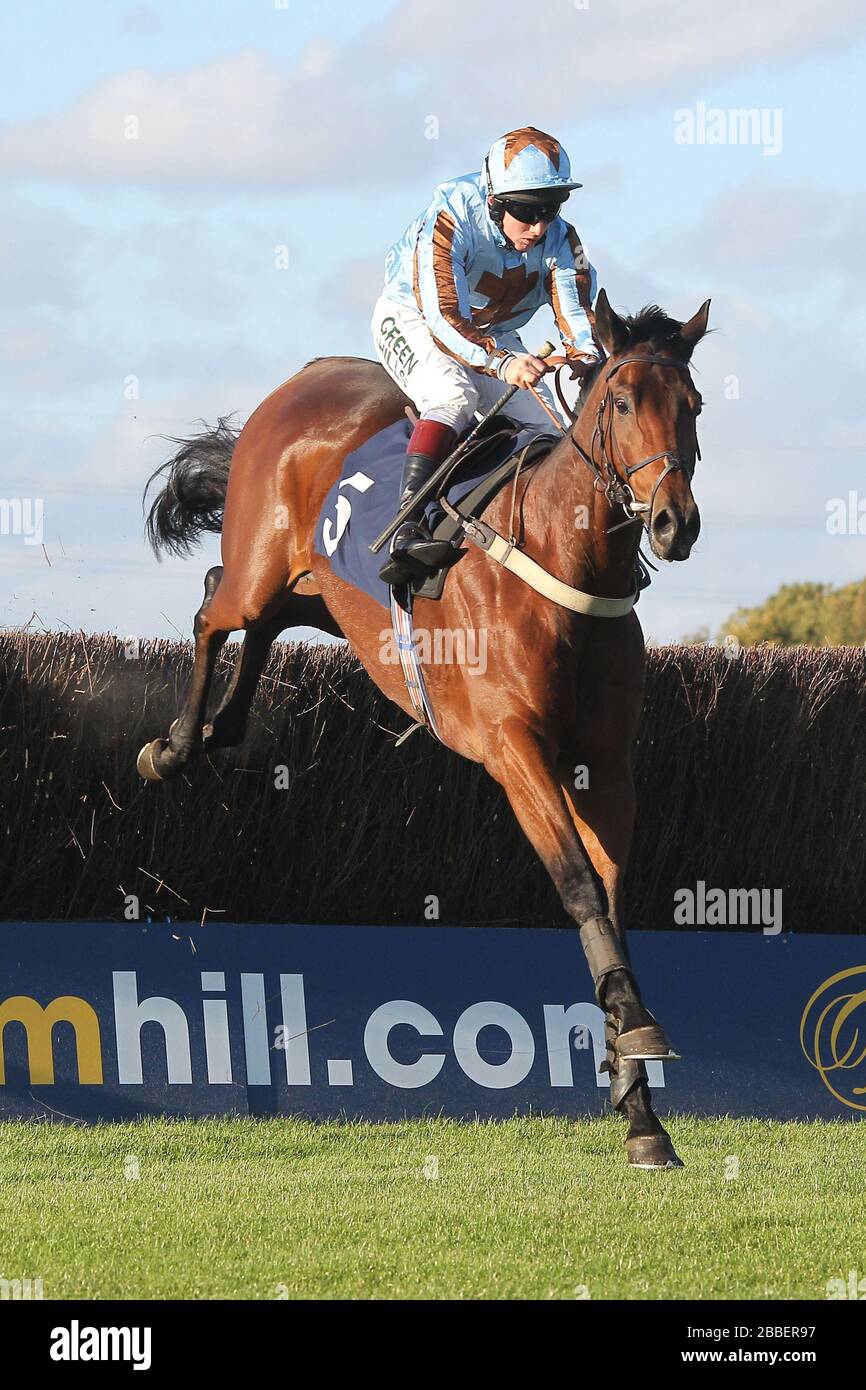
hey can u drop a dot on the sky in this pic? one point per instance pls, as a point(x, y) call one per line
point(156, 157)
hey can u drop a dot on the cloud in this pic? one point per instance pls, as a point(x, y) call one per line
point(39, 252)
point(351, 289)
point(356, 110)
point(144, 20)
point(169, 296)
point(774, 235)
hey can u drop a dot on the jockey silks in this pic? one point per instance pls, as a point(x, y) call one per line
point(455, 266)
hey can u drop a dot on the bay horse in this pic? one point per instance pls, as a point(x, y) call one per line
point(562, 690)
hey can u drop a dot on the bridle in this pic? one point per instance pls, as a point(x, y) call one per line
point(608, 480)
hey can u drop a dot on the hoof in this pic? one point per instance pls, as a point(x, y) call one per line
point(145, 763)
point(652, 1151)
point(647, 1044)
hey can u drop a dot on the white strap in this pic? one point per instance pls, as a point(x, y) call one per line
point(507, 555)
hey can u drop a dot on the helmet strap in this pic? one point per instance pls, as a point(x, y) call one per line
point(496, 211)
point(497, 214)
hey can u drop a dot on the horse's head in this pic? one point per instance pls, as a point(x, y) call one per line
point(644, 407)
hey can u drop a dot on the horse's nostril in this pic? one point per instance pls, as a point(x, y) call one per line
point(662, 521)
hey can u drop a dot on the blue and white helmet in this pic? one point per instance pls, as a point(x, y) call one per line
point(527, 161)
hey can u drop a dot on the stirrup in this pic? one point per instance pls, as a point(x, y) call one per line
point(415, 555)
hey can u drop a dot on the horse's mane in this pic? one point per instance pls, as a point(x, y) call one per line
point(650, 325)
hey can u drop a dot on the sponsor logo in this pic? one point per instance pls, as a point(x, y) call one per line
point(39, 1023)
point(555, 1035)
point(829, 1035)
point(394, 351)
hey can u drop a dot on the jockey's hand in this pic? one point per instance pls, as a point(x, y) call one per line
point(525, 370)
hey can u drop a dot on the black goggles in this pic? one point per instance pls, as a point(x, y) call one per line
point(530, 213)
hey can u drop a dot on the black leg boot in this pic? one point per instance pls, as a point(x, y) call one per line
point(414, 554)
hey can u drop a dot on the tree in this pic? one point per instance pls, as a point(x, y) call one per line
point(816, 615)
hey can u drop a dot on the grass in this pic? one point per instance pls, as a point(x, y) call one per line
point(528, 1209)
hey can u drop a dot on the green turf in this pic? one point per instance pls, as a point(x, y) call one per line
point(429, 1209)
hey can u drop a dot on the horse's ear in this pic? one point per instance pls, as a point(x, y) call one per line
point(610, 329)
point(692, 332)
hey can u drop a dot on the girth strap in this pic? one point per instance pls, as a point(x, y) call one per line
point(413, 672)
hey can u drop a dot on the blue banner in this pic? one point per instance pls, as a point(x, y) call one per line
point(117, 1021)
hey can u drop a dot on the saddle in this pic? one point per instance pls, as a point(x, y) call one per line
point(449, 528)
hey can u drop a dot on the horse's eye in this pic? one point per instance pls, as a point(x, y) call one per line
point(621, 405)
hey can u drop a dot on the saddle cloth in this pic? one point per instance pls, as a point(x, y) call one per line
point(367, 495)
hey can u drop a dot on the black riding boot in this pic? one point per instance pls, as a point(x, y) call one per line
point(414, 553)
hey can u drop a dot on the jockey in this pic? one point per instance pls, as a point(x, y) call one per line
point(489, 250)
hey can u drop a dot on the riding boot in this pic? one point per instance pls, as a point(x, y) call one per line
point(414, 553)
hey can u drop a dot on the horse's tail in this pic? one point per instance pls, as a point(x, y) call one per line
point(196, 479)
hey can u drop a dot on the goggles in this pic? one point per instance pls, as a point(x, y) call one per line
point(530, 213)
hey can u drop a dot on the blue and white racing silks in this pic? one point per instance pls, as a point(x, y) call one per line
point(456, 267)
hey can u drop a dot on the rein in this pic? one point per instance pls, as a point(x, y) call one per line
point(616, 488)
point(607, 480)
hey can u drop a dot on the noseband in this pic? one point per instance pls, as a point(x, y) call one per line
point(607, 480)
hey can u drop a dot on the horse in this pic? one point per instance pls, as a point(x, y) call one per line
point(562, 689)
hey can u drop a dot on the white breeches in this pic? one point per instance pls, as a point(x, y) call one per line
point(440, 387)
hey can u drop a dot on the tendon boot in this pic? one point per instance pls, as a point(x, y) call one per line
point(413, 553)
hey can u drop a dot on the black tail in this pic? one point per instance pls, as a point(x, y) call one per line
point(196, 478)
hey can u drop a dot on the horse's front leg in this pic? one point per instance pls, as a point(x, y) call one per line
point(603, 814)
point(519, 759)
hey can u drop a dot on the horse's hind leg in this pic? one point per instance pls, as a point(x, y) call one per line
point(604, 819)
point(229, 725)
point(164, 758)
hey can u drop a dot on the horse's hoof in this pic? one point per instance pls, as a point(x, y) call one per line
point(652, 1151)
point(145, 763)
point(647, 1044)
